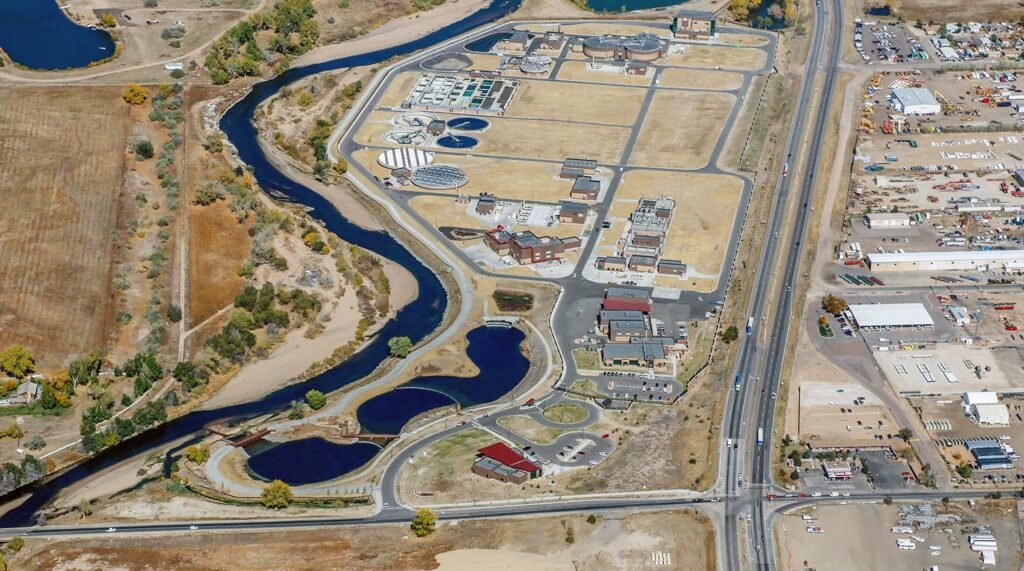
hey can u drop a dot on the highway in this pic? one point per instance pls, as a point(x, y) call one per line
point(759, 371)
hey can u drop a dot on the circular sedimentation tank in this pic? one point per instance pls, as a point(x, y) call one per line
point(468, 124)
point(458, 142)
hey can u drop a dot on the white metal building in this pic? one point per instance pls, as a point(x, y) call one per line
point(980, 397)
point(959, 315)
point(887, 220)
point(915, 101)
point(891, 315)
point(946, 261)
point(997, 414)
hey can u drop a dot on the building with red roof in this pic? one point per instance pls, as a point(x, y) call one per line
point(499, 462)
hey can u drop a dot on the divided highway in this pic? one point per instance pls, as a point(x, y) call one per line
point(758, 372)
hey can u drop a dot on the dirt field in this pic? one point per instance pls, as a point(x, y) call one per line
point(848, 529)
point(613, 542)
point(718, 57)
point(682, 143)
point(577, 71)
point(704, 215)
point(520, 138)
point(746, 40)
point(697, 79)
point(61, 184)
point(953, 10)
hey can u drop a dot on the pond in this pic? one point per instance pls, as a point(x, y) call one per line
point(484, 44)
point(38, 35)
point(310, 460)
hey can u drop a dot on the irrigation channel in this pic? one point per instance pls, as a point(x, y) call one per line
point(416, 320)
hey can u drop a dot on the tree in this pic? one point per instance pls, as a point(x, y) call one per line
point(134, 94)
point(965, 470)
point(15, 544)
point(834, 305)
point(905, 434)
point(297, 410)
point(730, 334)
point(197, 454)
point(35, 443)
point(887, 500)
point(400, 346)
point(173, 313)
point(143, 150)
point(17, 361)
point(794, 475)
point(107, 20)
point(316, 399)
point(276, 496)
point(591, 519)
point(424, 522)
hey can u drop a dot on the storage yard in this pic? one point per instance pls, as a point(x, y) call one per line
point(514, 175)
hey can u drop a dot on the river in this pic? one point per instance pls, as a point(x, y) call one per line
point(416, 320)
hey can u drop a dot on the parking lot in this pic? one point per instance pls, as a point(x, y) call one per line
point(887, 42)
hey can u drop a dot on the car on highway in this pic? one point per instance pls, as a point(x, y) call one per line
point(816, 495)
point(593, 462)
point(111, 529)
point(193, 528)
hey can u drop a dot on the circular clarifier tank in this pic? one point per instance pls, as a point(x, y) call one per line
point(468, 124)
point(457, 142)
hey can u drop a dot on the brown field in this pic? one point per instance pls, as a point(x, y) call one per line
point(615, 28)
point(719, 56)
point(698, 79)
point(552, 140)
point(577, 71)
point(612, 543)
point(953, 10)
point(685, 143)
point(606, 104)
point(748, 40)
point(61, 161)
point(705, 211)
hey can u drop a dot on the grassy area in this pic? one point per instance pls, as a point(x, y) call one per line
point(700, 347)
point(512, 301)
point(586, 387)
point(775, 107)
point(530, 429)
point(566, 413)
point(586, 359)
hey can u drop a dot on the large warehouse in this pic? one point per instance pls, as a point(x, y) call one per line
point(915, 101)
point(946, 261)
point(891, 315)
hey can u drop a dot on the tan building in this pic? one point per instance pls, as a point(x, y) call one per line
point(695, 24)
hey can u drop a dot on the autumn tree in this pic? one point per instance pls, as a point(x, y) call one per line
point(276, 496)
point(400, 346)
point(17, 361)
point(107, 20)
point(197, 454)
point(134, 94)
point(834, 305)
point(424, 522)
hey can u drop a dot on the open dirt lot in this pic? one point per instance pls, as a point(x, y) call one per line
point(826, 410)
point(613, 542)
point(718, 57)
point(703, 220)
point(700, 79)
point(746, 40)
point(901, 368)
point(61, 186)
point(614, 28)
point(579, 71)
point(848, 529)
point(670, 140)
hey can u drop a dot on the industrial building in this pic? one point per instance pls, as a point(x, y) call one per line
point(572, 212)
point(584, 188)
point(985, 408)
point(642, 47)
point(915, 101)
point(499, 462)
point(611, 263)
point(527, 247)
point(405, 157)
point(637, 353)
point(648, 227)
point(458, 93)
point(891, 315)
point(607, 316)
point(486, 205)
point(626, 299)
point(988, 455)
point(887, 220)
point(671, 268)
point(695, 25)
point(946, 261)
point(644, 264)
point(575, 168)
point(623, 331)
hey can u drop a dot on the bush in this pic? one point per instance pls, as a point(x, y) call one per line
point(149, 3)
point(143, 150)
point(276, 496)
point(134, 94)
point(107, 20)
point(177, 73)
point(400, 346)
point(15, 544)
point(730, 334)
point(173, 33)
point(424, 522)
point(316, 399)
point(35, 443)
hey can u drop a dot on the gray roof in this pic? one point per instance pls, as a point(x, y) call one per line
point(620, 315)
point(28, 387)
point(644, 260)
point(573, 207)
point(492, 465)
point(614, 260)
point(698, 14)
point(580, 163)
point(586, 183)
point(638, 351)
point(626, 292)
point(627, 326)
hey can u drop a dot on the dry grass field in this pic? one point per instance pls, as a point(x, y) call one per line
point(698, 79)
point(745, 40)
point(606, 104)
point(61, 162)
point(537, 543)
point(703, 220)
point(718, 56)
point(681, 143)
point(954, 10)
point(552, 140)
point(577, 71)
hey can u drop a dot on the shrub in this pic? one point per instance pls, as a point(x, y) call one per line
point(107, 20)
point(277, 495)
point(424, 522)
point(316, 399)
point(143, 150)
point(400, 346)
point(134, 94)
point(177, 73)
point(173, 33)
point(149, 3)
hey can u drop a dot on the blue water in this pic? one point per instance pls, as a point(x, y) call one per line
point(310, 460)
point(415, 320)
point(484, 44)
point(38, 35)
point(494, 350)
point(460, 142)
point(879, 11)
point(629, 5)
point(468, 123)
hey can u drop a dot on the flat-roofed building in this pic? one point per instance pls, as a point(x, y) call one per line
point(572, 212)
point(519, 40)
point(573, 168)
point(621, 298)
point(606, 316)
point(621, 331)
point(644, 244)
point(915, 101)
point(645, 264)
point(695, 24)
point(611, 263)
point(837, 470)
point(993, 414)
point(977, 260)
point(671, 268)
point(887, 220)
point(486, 205)
point(634, 354)
point(585, 188)
point(893, 315)
point(436, 127)
point(527, 247)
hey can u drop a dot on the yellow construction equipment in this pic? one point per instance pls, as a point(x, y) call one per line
point(866, 126)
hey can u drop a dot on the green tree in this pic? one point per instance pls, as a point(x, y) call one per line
point(965, 470)
point(276, 496)
point(400, 346)
point(17, 361)
point(905, 434)
point(143, 149)
point(297, 410)
point(173, 313)
point(35, 443)
point(794, 475)
point(316, 399)
point(424, 522)
point(730, 334)
point(197, 454)
point(15, 544)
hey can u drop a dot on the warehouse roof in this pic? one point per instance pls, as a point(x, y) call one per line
point(980, 398)
point(887, 216)
point(638, 351)
point(891, 314)
point(914, 96)
point(977, 255)
point(509, 457)
point(992, 413)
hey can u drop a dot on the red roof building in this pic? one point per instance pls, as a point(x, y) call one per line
point(626, 305)
point(501, 453)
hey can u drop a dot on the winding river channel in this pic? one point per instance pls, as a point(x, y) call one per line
point(416, 320)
